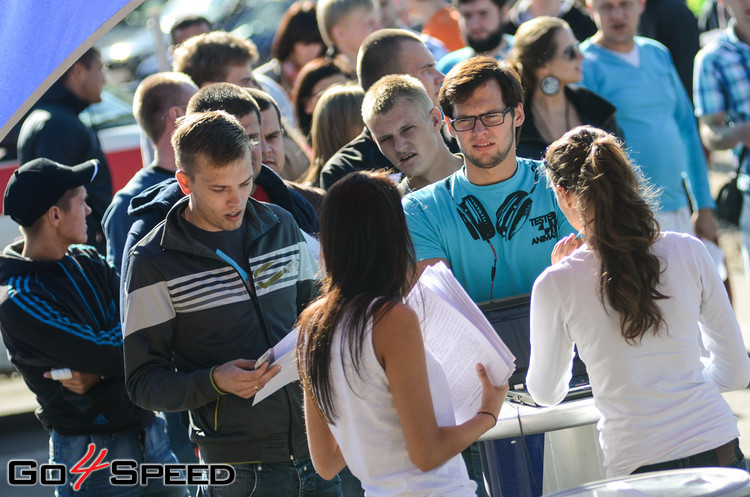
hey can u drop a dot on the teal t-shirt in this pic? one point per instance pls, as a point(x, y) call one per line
point(512, 225)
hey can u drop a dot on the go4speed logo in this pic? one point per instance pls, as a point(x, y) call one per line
point(122, 472)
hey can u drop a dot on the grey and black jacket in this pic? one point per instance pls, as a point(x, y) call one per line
point(186, 310)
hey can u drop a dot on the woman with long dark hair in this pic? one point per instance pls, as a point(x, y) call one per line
point(636, 302)
point(374, 399)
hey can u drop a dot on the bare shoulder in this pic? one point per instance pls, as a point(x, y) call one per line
point(395, 329)
point(398, 315)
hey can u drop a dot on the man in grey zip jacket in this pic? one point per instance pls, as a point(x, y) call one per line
point(211, 288)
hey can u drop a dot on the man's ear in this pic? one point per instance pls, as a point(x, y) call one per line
point(74, 74)
point(337, 32)
point(437, 119)
point(53, 215)
point(450, 128)
point(519, 117)
point(184, 181)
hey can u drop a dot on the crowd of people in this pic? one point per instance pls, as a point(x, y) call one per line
point(543, 147)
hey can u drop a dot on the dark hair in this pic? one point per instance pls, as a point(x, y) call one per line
point(86, 59)
point(378, 54)
point(206, 57)
point(213, 138)
point(298, 25)
point(533, 46)
point(498, 3)
point(467, 76)
point(264, 101)
point(592, 165)
point(155, 95)
point(310, 74)
point(187, 22)
point(224, 96)
point(369, 261)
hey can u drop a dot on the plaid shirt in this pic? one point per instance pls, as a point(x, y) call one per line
point(721, 81)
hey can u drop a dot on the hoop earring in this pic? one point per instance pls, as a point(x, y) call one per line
point(550, 86)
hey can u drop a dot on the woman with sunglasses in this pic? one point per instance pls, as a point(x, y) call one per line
point(545, 54)
point(637, 302)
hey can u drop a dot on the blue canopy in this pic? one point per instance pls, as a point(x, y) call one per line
point(40, 40)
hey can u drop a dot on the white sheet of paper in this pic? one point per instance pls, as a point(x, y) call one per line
point(459, 336)
point(284, 354)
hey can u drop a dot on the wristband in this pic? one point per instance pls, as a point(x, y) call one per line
point(489, 414)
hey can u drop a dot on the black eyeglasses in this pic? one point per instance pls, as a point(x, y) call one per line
point(572, 52)
point(489, 120)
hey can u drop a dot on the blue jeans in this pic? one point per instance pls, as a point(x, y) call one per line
point(297, 478)
point(148, 445)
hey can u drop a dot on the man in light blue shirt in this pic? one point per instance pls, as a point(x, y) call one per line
point(638, 76)
point(494, 222)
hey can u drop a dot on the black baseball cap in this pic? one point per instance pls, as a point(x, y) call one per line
point(39, 184)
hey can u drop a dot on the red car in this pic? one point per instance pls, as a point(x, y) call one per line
point(120, 138)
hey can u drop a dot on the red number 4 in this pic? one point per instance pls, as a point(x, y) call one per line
point(95, 466)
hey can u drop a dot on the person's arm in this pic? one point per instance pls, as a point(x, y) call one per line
point(148, 321)
point(423, 264)
point(397, 341)
point(704, 221)
point(728, 365)
point(50, 330)
point(425, 237)
point(718, 134)
point(115, 224)
point(324, 450)
point(62, 139)
point(552, 351)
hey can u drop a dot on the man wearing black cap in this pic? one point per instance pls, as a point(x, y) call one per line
point(59, 317)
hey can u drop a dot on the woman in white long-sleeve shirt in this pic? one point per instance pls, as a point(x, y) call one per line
point(635, 301)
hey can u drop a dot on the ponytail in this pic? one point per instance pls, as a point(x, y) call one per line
point(592, 165)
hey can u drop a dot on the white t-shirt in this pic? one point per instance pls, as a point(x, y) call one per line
point(369, 432)
point(659, 400)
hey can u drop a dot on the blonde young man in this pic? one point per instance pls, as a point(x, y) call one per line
point(344, 24)
point(159, 101)
point(406, 126)
point(387, 51)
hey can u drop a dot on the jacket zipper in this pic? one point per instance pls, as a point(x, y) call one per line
point(254, 298)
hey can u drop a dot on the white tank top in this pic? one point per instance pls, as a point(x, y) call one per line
point(369, 433)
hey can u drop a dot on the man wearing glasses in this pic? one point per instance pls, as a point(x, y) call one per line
point(494, 222)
